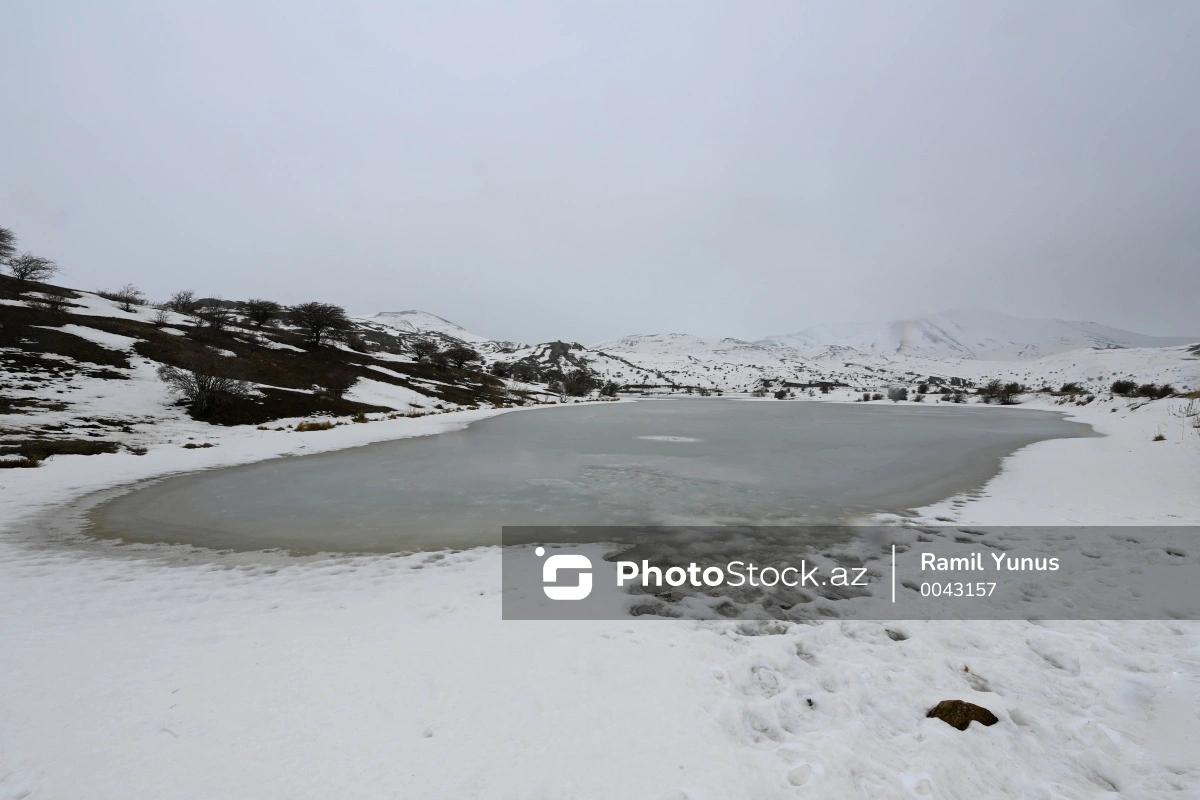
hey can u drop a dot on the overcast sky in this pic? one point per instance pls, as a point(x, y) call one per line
point(585, 170)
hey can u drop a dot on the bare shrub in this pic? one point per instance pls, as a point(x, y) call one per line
point(204, 382)
point(999, 392)
point(215, 315)
point(304, 427)
point(162, 318)
point(1154, 391)
point(1189, 415)
point(1124, 388)
point(338, 382)
point(28, 267)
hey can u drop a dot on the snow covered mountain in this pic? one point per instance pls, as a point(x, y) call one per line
point(971, 333)
point(424, 323)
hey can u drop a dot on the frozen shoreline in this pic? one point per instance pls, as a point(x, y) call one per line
point(394, 675)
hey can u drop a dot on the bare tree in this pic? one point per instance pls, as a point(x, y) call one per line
point(128, 296)
point(321, 321)
point(424, 349)
point(8, 244)
point(262, 312)
point(28, 267)
point(204, 381)
point(460, 355)
point(183, 302)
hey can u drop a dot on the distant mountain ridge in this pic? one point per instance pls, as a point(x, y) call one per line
point(958, 333)
point(964, 344)
point(971, 333)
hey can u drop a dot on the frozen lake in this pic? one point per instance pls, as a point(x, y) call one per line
point(654, 462)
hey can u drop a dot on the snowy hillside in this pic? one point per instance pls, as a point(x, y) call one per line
point(971, 333)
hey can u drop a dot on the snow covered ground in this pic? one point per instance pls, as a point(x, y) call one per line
point(150, 673)
point(164, 672)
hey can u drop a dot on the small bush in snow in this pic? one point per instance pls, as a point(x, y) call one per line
point(1154, 391)
point(1124, 388)
point(304, 427)
point(338, 382)
point(52, 300)
point(128, 296)
point(203, 381)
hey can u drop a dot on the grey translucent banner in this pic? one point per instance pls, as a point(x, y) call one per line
point(852, 572)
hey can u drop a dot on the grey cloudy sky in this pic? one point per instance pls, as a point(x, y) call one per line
point(586, 170)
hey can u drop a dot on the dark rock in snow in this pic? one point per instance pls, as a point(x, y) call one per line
point(960, 714)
